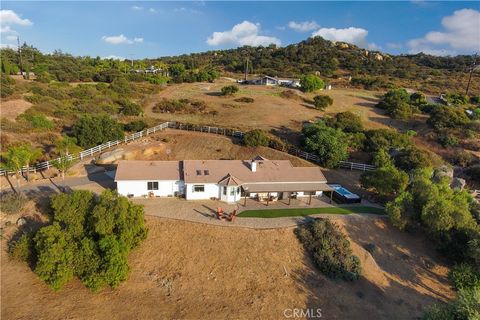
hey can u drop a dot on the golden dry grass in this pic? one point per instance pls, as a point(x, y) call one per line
point(193, 271)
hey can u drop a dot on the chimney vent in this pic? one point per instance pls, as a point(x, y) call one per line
point(254, 166)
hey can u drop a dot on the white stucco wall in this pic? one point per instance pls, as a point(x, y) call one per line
point(211, 191)
point(138, 188)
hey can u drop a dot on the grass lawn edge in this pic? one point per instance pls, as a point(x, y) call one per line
point(300, 212)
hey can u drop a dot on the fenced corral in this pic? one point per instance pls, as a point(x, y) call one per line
point(186, 127)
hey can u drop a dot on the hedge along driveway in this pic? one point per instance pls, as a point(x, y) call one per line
point(278, 213)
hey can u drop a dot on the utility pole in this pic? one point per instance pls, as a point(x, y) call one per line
point(20, 55)
point(474, 66)
point(246, 69)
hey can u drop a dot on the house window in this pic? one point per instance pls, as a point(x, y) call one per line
point(224, 191)
point(232, 191)
point(199, 188)
point(199, 172)
point(206, 172)
point(152, 185)
point(238, 190)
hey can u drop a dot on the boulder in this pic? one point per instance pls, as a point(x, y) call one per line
point(110, 157)
point(21, 221)
point(443, 171)
point(458, 184)
point(153, 150)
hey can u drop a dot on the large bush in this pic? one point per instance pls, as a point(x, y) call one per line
point(330, 250)
point(94, 130)
point(386, 181)
point(397, 104)
point(321, 102)
point(255, 138)
point(346, 121)
point(385, 139)
point(329, 144)
point(413, 158)
point(311, 83)
point(90, 238)
point(464, 276)
point(129, 108)
point(229, 90)
point(447, 117)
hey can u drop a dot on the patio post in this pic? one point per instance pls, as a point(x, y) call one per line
point(289, 197)
point(245, 200)
point(310, 199)
point(268, 198)
point(331, 196)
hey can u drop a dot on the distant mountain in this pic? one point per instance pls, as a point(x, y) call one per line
point(319, 55)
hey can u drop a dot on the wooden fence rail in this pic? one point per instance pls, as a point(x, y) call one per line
point(186, 127)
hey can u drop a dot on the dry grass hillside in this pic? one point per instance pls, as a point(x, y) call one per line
point(270, 109)
point(192, 271)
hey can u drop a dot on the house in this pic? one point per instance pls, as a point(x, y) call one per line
point(226, 180)
point(272, 81)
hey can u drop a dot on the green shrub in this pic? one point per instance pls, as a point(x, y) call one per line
point(330, 250)
point(329, 144)
point(447, 140)
point(38, 121)
point(90, 238)
point(12, 203)
point(385, 139)
point(467, 303)
point(311, 83)
point(346, 121)
point(457, 98)
point(474, 173)
point(229, 90)
point(439, 312)
point(413, 158)
point(135, 126)
point(397, 104)
point(321, 102)
point(129, 108)
point(255, 138)
point(447, 117)
point(464, 276)
point(386, 181)
point(23, 248)
point(94, 130)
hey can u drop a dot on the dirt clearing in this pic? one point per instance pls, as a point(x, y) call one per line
point(13, 108)
point(194, 271)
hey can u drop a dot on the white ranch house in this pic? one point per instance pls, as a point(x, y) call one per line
point(226, 180)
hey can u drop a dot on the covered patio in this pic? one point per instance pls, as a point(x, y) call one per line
point(286, 191)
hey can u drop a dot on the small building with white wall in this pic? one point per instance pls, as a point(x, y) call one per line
point(225, 180)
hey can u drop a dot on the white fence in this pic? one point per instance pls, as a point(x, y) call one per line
point(90, 152)
point(179, 126)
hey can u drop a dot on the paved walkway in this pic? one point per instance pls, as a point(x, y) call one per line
point(203, 211)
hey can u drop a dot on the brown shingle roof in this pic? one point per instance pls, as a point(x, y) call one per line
point(267, 171)
point(148, 170)
point(194, 171)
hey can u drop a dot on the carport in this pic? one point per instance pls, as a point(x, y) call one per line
point(288, 187)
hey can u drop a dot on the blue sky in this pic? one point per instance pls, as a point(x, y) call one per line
point(153, 29)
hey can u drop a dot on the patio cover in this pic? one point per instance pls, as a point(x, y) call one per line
point(286, 187)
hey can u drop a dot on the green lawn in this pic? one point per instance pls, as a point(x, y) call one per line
point(277, 213)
